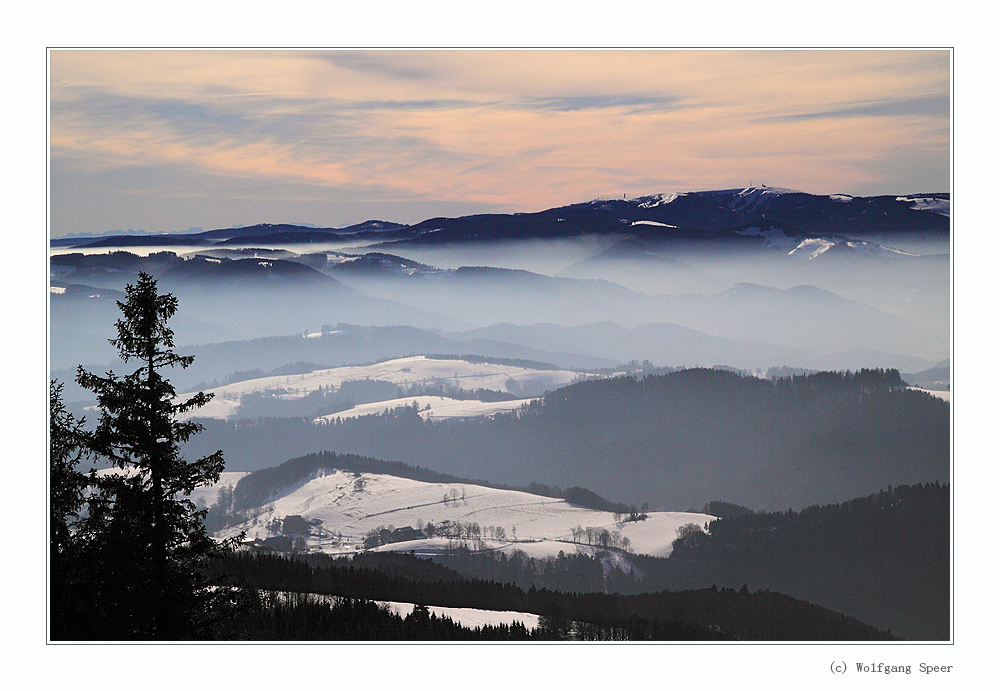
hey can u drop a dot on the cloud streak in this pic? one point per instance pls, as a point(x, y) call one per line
point(509, 130)
point(936, 106)
point(633, 103)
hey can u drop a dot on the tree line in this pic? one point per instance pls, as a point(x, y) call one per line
point(884, 558)
point(706, 614)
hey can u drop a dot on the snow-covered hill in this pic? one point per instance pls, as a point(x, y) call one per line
point(432, 408)
point(404, 372)
point(752, 199)
point(342, 508)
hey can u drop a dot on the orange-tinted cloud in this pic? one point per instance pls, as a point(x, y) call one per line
point(515, 129)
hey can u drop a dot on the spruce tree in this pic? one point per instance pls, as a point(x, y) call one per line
point(145, 539)
point(67, 488)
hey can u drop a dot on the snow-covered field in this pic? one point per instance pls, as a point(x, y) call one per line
point(405, 372)
point(346, 506)
point(431, 408)
point(466, 616)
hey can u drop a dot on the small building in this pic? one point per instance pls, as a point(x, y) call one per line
point(281, 543)
point(405, 533)
point(294, 525)
point(385, 536)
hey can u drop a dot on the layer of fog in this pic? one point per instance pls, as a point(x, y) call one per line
point(596, 297)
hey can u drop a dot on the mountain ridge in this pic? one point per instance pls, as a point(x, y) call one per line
point(693, 214)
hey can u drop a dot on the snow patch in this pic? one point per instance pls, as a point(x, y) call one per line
point(467, 616)
point(752, 198)
point(811, 248)
point(653, 223)
point(432, 408)
point(205, 496)
point(658, 200)
point(877, 250)
point(933, 204)
point(943, 395)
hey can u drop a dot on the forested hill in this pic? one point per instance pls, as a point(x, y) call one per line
point(706, 614)
point(675, 440)
point(264, 485)
point(884, 558)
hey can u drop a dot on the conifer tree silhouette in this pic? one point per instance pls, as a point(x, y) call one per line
point(148, 538)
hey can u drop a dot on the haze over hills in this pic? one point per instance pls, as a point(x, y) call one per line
point(677, 440)
point(756, 279)
point(572, 347)
point(752, 278)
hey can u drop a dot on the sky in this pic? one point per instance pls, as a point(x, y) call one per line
point(167, 140)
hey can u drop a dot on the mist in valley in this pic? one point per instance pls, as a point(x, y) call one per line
point(596, 300)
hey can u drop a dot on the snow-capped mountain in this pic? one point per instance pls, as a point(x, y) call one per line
point(688, 215)
point(752, 199)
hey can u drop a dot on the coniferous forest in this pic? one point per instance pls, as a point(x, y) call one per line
point(706, 615)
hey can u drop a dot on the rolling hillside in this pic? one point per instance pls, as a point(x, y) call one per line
point(340, 509)
point(406, 373)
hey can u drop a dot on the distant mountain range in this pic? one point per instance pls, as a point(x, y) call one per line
point(259, 233)
point(723, 216)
